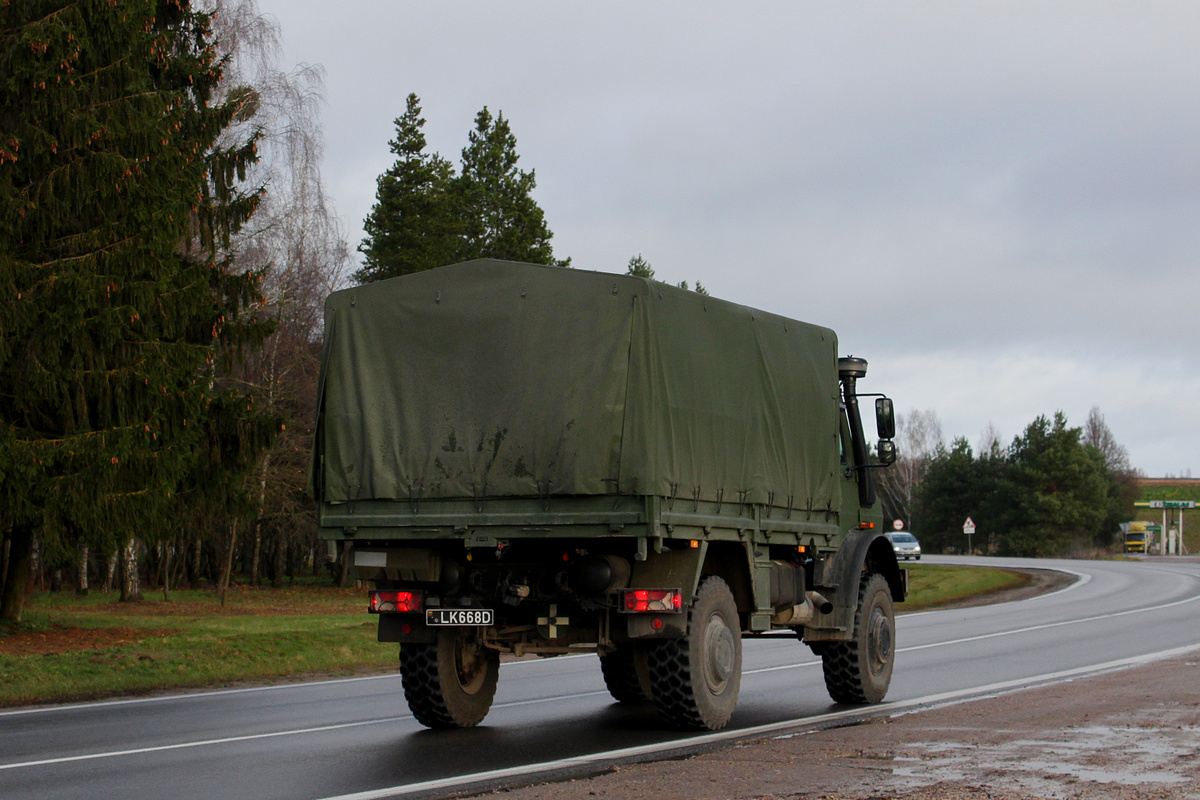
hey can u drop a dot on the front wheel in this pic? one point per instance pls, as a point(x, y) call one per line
point(859, 671)
point(450, 683)
point(695, 680)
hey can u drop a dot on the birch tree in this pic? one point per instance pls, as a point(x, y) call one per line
point(919, 437)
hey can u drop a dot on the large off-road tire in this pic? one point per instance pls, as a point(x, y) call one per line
point(451, 683)
point(859, 671)
point(627, 674)
point(694, 681)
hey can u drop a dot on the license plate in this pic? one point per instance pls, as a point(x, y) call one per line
point(459, 616)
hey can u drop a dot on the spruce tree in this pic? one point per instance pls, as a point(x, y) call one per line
point(413, 225)
point(119, 201)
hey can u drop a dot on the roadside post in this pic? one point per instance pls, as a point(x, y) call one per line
point(968, 529)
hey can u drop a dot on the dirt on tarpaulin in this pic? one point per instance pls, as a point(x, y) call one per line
point(1132, 734)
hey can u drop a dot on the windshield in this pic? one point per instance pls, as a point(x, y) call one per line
point(906, 538)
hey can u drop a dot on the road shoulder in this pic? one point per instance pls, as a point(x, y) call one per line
point(1132, 734)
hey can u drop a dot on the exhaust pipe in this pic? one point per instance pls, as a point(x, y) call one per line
point(795, 615)
point(820, 602)
point(814, 603)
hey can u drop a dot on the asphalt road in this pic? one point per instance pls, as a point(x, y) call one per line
point(355, 738)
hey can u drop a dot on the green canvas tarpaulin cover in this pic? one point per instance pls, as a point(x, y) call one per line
point(500, 379)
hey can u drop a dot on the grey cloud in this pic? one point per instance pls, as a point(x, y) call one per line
point(997, 182)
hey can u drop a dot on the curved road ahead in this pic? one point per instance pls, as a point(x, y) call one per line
point(355, 739)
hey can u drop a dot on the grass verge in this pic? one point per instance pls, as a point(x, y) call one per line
point(935, 585)
point(80, 648)
point(74, 648)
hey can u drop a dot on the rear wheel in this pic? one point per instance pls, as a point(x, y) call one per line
point(451, 683)
point(859, 671)
point(627, 674)
point(694, 681)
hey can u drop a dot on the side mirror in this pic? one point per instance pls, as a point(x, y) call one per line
point(886, 452)
point(885, 418)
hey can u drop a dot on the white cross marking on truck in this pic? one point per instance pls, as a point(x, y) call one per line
point(552, 621)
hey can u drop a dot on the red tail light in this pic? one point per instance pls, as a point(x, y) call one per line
point(638, 600)
point(394, 602)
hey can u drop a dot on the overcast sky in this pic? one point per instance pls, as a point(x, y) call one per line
point(996, 204)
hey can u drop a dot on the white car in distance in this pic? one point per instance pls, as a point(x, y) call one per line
point(905, 545)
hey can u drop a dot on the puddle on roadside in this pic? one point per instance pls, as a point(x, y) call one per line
point(1150, 752)
point(1125, 778)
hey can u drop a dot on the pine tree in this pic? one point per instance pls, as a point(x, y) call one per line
point(639, 267)
point(1062, 488)
point(413, 225)
point(119, 201)
point(948, 494)
point(425, 216)
point(499, 215)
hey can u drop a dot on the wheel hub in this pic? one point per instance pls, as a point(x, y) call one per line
point(879, 640)
point(469, 665)
point(719, 654)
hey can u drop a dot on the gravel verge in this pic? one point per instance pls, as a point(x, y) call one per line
point(1132, 734)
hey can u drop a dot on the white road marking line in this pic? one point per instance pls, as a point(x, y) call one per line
point(202, 743)
point(1012, 632)
point(190, 695)
point(270, 735)
point(395, 675)
point(1044, 626)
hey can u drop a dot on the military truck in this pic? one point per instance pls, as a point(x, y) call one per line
point(526, 459)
